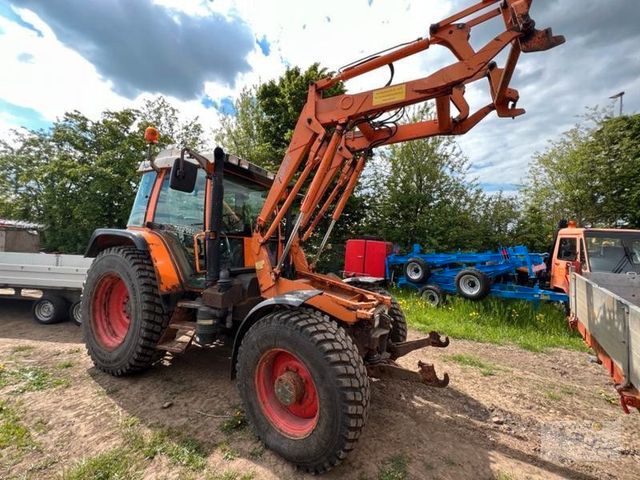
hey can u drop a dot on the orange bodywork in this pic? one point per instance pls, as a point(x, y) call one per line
point(334, 137)
point(167, 272)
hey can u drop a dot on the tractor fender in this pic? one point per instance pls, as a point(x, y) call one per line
point(167, 273)
point(290, 299)
point(103, 238)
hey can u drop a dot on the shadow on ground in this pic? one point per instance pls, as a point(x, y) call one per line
point(16, 322)
point(442, 432)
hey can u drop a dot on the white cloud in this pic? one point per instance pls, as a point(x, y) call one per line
point(554, 86)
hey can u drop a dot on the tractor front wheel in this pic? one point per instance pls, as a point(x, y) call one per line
point(122, 314)
point(304, 387)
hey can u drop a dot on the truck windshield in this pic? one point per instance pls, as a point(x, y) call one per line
point(616, 252)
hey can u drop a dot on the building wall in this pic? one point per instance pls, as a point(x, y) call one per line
point(14, 240)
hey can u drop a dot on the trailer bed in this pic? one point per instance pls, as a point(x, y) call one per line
point(43, 271)
point(605, 309)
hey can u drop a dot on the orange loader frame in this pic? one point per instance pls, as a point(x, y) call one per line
point(334, 137)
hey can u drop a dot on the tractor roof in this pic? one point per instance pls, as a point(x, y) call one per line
point(233, 164)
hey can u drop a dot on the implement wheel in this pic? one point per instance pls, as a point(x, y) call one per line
point(416, 270)
point(472, 284)
point(433, 295)
point(122, 312)
point(304, 387)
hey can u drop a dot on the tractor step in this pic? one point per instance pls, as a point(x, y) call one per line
point(178, 337)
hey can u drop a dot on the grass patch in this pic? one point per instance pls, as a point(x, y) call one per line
point(30, 379)
point(180, 450)
point(64, 365)
point(493, 320)
point(394, 468)
point(256, 452)
point(503, 476)
point(231, 475)
point(238, 421)
point(186, 452)
point(558, 392)
point(12, 431)
point(228, 453)
point(487, 369)
point(114, 464)
point(25, 349)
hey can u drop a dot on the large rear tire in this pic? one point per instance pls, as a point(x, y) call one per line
point(304, 387)
point(123, 317)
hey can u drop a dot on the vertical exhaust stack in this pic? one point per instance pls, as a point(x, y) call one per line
point(213, 246)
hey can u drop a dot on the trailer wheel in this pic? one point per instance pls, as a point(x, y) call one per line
point(398, 332)
point(472, 284)
point(433, 295)
point(122, 311)
point(416, 270)
point(304, 387)
point(49, 309)
point(75, 312)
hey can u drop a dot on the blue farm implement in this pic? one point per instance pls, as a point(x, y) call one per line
point(510, 272)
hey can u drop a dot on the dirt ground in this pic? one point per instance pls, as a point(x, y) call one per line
point(520, 415)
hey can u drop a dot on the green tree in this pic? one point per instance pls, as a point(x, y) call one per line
point(82, 174)
point(427, 197)
point(266, 115)
point(589, 175)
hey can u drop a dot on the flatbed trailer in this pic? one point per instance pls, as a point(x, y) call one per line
point(605, 309)
point(59, 278)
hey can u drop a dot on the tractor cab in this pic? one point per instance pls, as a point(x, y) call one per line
point(178, 215)
point(593, 250)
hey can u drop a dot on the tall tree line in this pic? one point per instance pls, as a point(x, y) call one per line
point(81, 175)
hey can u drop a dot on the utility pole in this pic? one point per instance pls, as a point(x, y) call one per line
point(618, 95)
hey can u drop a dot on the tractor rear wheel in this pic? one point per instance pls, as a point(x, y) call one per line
point(304, 387)
point(123, 317)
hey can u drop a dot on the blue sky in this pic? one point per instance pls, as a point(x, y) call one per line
point(62, 55)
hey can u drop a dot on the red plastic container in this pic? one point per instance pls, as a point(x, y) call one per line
point(366, 258)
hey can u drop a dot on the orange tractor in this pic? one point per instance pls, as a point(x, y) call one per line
point(214, 249)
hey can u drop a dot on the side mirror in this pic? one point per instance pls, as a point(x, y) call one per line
point(183, 176)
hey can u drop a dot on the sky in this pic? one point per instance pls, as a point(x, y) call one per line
point(94, 55)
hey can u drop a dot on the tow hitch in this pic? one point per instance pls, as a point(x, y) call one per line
point(426, 374)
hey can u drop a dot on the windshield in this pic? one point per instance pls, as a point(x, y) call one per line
point(616, 252)
point(243, 201)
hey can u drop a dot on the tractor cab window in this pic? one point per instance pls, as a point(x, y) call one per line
point(568, 249)
point(139, 209)
point(243, 201)
point(611, 253)
point(182, 209)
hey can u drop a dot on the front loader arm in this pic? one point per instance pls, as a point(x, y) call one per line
point(334, 136)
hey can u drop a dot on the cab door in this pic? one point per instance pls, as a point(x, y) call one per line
point(179, 218)
point(566, 255)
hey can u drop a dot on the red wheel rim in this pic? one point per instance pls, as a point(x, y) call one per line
point(110, 311)
point(287, 393)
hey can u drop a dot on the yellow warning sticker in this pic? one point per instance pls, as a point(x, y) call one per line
point(259, 265)
point(390, 94)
